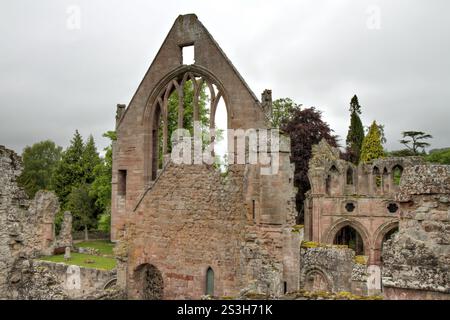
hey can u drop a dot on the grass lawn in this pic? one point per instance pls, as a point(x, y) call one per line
point(103, 246)
point(82, 260)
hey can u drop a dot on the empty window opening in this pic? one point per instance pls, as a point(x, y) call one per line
point(253, 210)
point(188, 54)
point(284, 287)
point(209, 289)
point(349, 176)
point(350, 207)
point(377, 177)
point(122, 183)
point(350, 237)
point(392, 207)
point(397, 174)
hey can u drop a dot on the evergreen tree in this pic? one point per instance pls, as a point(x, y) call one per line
point(70, 171)
point(82, 207)
point(415, 138)
point(101, 187)
point(371, 147)
point(355, 135)
point(39, 162)
point(90, 159)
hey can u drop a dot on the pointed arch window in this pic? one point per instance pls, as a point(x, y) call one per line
point(350, 176)
point(209, 286)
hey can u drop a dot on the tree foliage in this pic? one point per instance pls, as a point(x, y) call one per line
point(355, 135)
point(282, 111)
point(82, 206)
point(372, 148)
point(39, 162)
point(70, 170)
point(305, 128)
point(401, 153)
point(414, 140)
point(100, 188)
point(439, 156)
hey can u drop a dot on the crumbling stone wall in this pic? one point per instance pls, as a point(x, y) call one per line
point(26, 226)
point(44, 280)
point(181, 220)
point(331, 269)
point(183, 232)
point(417, 259)
point(361, 197)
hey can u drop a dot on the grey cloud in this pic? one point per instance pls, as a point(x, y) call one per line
point(54, 80)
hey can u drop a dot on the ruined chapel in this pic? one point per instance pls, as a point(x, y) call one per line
point(184, 231)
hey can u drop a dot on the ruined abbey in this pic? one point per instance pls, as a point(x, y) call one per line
point(187, 231)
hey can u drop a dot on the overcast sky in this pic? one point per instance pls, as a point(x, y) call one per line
point(394, 54)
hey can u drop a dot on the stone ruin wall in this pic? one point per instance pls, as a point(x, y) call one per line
point(417, 259)
point(26, 226)
point(332, 191)
point(332, 269)
point(194, 219)
point(44, 280)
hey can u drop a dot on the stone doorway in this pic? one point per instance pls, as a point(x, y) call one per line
point(149, 282)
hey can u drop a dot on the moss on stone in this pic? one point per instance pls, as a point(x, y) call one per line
point(297, 227)
point(325, 295)
point(312, 244)
point(361, 259)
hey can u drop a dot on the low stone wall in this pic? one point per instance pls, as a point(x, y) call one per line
point(44, 280)
point(333, 269)
point(78, 281)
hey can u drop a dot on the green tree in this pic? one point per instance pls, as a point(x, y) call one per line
point(89, 160)
point(371, 147)
point(413, 140)
point(39, 162)
point(101, 187)
point(441, 156)
point(82, 206)
point(69, 172)
point(355, 135)
point(188, 116)
point(401, 153)
point(305, 128)
point(282, 111)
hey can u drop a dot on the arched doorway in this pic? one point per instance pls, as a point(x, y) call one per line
point(149, 282)
point(350, 237)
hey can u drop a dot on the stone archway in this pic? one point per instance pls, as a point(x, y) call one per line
point(350, 236)
point(315, 279)
point(330, 235)
point(384, 233)
point(149, 282)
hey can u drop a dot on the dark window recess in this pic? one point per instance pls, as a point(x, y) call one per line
point(349, 176)
point(122, 183)
point(253, 210)
point(285, 287)
point(392, 207)
point(350, 207)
